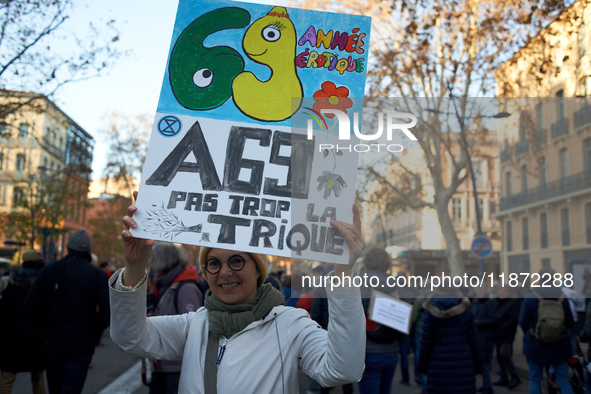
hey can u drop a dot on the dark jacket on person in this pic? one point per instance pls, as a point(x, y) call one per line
point(585, 334)
point(379, 338)
point(319, 308)
point(485, 315)
point(507, 315)
point(21, 338)
point(450, 354)
point(532, 348)
point(70, 301)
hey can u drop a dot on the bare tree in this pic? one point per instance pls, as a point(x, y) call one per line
point(128, 145)
point(424, 52)
point(40, 51)
point(42, 201)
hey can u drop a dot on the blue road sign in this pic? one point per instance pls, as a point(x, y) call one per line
point(481, 246)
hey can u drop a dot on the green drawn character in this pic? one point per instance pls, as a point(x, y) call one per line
point(201, 77)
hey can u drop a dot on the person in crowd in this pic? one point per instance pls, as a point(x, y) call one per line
point(407, 294)
point(547, 344)
point(272, 279)
point(585, 336)
point(176, 292)
point(382, 343)
point(243, 336)
point(107, 268)
point(305, 300)
point(22, 340)
point(449, 352)
point(290, 295)
point(485, 316)
point(507, 307)
point(416, 319)
point(70, 301)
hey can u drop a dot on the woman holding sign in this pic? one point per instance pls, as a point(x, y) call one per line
point(243, 338)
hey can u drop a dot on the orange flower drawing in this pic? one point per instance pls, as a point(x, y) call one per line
point(331, 97)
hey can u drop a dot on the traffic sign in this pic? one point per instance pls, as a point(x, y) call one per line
point(481, 246)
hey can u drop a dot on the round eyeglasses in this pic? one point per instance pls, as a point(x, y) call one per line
point(235, 262)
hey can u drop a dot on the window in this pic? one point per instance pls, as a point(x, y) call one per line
point(560, 105)
point(588, 222)
point(478, 167)
point(481, 208)
point(1, 161)
point(543, 171)
point(508, 184)
point(457, 209)
point(3, 130)
point(540, 113)
point(565, 221)
point(492, 207)
point(18, 196)
point(20, 161)
point(563, 157)
point(23, 130)
point(509, 236)
point(524, 178)
point(525, 233)
point(543, 230)
point(587, 154)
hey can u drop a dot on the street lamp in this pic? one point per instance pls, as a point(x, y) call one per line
point(499, 115)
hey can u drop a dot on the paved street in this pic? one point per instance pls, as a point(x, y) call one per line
point(109, 362)
point(116, 372)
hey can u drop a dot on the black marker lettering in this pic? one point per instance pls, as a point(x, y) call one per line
point(227, 233)
point(193, 141)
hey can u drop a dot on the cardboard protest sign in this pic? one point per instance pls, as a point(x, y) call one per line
point(234, 159)
point(390, 312)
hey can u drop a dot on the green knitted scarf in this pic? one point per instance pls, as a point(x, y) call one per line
point(226, 320)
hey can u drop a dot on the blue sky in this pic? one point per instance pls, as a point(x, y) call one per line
point(133, 85)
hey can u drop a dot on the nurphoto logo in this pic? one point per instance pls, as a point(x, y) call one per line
point(392, 120)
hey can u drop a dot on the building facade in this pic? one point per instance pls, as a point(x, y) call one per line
point(545, 208)
point(414, 237)
point(45, 162)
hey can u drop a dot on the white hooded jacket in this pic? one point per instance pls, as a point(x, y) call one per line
point(262, 358)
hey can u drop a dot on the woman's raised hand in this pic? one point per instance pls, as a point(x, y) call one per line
point(137, 250)
point(352, 235)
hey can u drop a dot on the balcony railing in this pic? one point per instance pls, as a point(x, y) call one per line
point(560, 187)
point(559, 128)
point(582, 117)
point(52, 149)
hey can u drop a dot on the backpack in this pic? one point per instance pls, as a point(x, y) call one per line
point(549, 328)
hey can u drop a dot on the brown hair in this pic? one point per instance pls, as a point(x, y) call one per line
point(377, 259)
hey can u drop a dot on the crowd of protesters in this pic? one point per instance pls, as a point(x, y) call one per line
point(54, 314)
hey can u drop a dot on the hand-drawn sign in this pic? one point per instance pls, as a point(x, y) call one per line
point(169, 126)
point(243, 173)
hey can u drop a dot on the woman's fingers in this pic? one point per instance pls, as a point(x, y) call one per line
point(352, 235)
